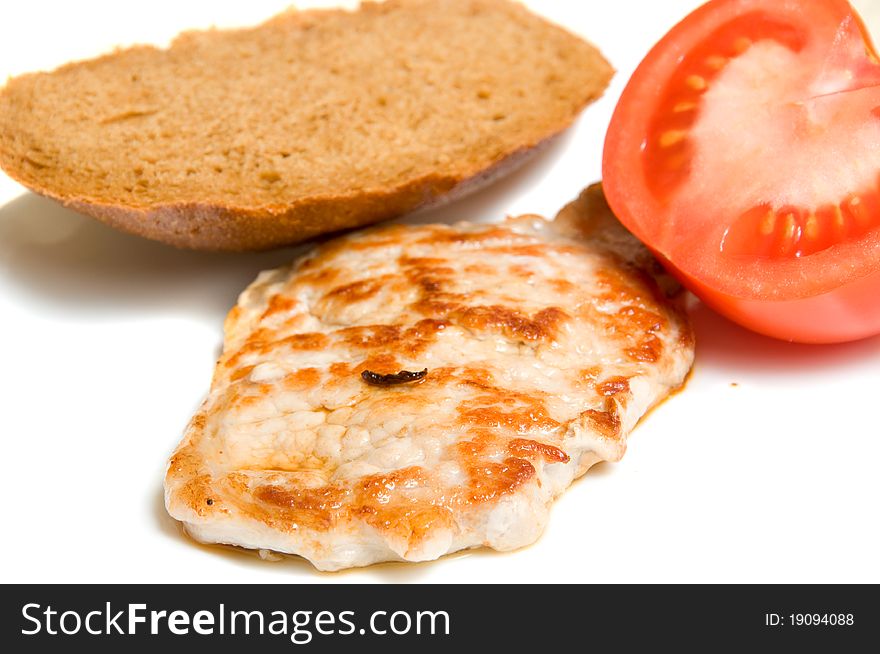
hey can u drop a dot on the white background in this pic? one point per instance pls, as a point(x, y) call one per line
point(107, 344)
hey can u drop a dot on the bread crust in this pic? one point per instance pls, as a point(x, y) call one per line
point(211, 227)
point(214, 223)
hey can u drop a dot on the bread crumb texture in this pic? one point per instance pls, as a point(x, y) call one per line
point(312, 122)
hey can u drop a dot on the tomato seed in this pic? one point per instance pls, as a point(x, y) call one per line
point(696, 82)
point(672, 137)
point(716, 62)
point(741, 45)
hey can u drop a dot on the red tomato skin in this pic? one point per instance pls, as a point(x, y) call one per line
point(848, 313)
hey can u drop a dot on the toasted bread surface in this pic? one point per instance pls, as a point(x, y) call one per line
point(310, 123)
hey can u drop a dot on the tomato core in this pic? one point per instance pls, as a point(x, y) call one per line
point(667, 148)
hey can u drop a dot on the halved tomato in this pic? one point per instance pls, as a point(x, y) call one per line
point(745, 152)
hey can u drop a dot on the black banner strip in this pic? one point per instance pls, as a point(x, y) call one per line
point(334, 618)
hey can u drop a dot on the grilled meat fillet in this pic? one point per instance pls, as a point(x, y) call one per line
point(409, 391)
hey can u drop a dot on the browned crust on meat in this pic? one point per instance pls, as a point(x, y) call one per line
point(503, 437)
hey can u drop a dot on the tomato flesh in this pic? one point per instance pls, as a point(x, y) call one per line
point(668, 148)
point(746, 153)
point(792, 231)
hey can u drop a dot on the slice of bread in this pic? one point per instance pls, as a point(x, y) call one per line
point(310, 123)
